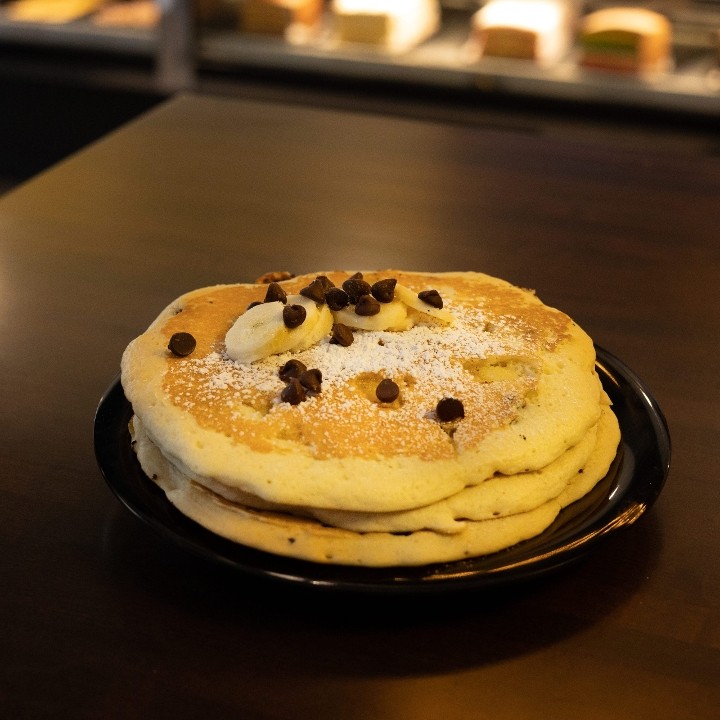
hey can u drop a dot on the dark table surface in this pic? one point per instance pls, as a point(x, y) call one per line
point(104, 618)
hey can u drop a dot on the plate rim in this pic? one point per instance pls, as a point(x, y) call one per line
point(640, 493)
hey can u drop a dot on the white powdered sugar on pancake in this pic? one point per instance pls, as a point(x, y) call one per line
point(385, 353)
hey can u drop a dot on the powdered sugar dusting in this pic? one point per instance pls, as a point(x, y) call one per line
point(425, 360)
point(422, 348)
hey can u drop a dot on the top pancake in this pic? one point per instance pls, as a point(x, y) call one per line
point(524, 372)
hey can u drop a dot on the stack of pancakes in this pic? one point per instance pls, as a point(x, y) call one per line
point(348, 474)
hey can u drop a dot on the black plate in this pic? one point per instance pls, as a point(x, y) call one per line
point(629, 489)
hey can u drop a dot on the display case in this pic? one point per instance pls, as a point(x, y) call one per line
point(188, 41)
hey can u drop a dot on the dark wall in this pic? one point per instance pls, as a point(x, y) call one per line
point(41, 123)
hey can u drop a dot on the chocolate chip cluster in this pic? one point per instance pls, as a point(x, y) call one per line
point(300, 382)
point(354, 291)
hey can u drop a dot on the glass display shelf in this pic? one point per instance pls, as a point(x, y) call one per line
point(181, 50)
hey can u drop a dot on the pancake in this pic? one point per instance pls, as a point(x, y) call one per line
point(291, 532)
point(499, 496)
point(345, 474)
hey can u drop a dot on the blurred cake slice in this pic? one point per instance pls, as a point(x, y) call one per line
point(275, 17)
point(538, 30)
point(50, 11)
point(128, 13)
point(393, 26)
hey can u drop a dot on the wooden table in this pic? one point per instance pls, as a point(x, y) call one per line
point(104, 619)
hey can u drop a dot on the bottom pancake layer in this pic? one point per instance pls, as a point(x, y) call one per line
point(529, 504)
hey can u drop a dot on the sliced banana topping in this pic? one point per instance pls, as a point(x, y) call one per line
point(261, 330)
point(321, 327)
point(391, 316)
point(412, 300)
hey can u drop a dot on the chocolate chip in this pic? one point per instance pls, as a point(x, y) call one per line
point(341, 335)
point(275, 293)
point(311, 380)
point(432, 298)
point(327, 283)
point(294, 316)
point(291, 369)
point(337, 299)
point(315, 291)
point(367, 305)
point(181, 344)
point(276, 276)
point(384, 290)
point(293, 392)
point(387, 391)
point(357, 276)
point(253, 304)
point(449, 409)
point(355, 288)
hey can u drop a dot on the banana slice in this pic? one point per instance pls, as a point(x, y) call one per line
point(411, 299)
point(260, 331)
point(253, 334)
point(322, 324)
point(392, 316)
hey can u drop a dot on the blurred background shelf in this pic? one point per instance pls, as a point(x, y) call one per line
point(176, 55)
point(80, 35)
point(87, 78)
point(692, 86)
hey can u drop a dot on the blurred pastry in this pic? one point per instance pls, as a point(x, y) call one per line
point(538, 30)
point(393, 26)
point(275, 17)
point(50, 11)
point(624, 39)
point(129, 13)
